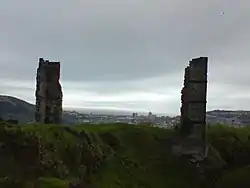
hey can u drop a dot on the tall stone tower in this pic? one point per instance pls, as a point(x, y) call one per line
point(193, 109)
point(48, 93)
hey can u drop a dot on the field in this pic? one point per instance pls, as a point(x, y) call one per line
point(115, 156)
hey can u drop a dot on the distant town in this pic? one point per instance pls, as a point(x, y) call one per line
point(23, 112)
point(231, 118)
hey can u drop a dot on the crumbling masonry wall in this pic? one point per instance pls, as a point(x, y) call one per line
point(48, 93)
point(193, 108)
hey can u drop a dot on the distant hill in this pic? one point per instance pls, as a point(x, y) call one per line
point(11, 107)
point(17, 109)
point(227, 116)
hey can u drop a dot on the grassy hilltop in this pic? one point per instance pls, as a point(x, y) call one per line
point(112, 156)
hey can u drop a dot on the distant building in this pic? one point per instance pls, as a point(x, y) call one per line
point(151, 117)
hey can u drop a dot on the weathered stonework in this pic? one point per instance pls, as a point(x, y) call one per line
point(193, 109)
point(48, 93)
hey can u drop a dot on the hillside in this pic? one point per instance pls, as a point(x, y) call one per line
point(11, 107)
point(17, 109)
point(114, 156)
point(229, 116)
point(101, 156)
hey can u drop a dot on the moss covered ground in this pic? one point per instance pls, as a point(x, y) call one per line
point(111, 156)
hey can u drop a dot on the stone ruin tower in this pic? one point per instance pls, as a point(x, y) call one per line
point(48, 93)
point(193, 108)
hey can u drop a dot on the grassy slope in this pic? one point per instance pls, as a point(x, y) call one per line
point(233, 145)
point(106, 156)
point(112, 156)
point(143, 161)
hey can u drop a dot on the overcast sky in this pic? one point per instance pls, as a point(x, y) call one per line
point(127, 54)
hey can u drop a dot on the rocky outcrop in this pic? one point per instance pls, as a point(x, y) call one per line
point(48, 93)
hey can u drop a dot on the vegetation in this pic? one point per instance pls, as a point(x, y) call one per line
point(233, 144)
point(110, 156)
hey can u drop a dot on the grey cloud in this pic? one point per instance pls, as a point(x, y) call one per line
point(163, 84)
point(126, 41)
point(114, 47)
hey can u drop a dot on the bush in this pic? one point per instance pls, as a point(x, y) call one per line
point(233, 144)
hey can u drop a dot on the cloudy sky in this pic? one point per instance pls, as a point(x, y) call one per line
point(127, 54)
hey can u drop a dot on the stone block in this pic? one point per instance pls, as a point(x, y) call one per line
point(196, 92)
point(197, 112)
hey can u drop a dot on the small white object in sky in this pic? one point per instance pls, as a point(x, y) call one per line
point(222, 13)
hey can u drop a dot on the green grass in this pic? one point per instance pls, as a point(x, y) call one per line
point(111, 156)
point(115, 155)
point(233, 144)
point(39, 183)
point(142, 161)
point(51, 183)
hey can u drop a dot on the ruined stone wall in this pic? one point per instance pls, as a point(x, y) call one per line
point(48, 93)
point(193, 109)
